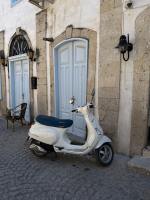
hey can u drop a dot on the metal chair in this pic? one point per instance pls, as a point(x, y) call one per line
point(16, 114)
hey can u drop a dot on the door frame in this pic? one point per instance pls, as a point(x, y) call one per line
point(55, 58)
point(11, 60)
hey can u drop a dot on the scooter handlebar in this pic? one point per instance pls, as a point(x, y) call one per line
point(75, 110)
point(91, 106)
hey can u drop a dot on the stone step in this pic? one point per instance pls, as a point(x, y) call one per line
point(146, 152)
point(140, 164)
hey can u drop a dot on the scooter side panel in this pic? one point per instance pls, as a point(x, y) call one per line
point(45, 134)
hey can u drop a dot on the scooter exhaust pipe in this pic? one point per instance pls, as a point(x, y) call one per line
point(35, 147)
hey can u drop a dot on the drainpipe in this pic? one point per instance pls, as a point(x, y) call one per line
point(35, 91)
point(97, 66)
point(48, 68)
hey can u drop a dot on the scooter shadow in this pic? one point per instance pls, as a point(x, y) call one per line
point(75, 161)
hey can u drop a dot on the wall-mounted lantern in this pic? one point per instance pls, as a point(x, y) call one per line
point(33, 56)
point(3, 61)
point(30, 54)
point(125, 46)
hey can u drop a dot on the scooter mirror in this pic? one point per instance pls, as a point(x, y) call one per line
point(72, 100)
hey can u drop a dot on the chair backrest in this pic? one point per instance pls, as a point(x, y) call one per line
point(23, 110)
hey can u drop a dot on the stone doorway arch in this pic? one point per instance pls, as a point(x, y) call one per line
point(20, 34)
point(76, 33)
point(141, 84)
point(18, 49)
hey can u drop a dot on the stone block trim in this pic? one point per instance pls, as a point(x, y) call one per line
point(41, 26)
point(2, 72)
point(107, 5)
point(84, 33)
point(109, 70)
point(141, 84)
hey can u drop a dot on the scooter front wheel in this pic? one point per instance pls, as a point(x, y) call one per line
point(105, 154)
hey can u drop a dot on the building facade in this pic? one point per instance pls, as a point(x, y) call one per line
point(17, 34)
point(74, 51)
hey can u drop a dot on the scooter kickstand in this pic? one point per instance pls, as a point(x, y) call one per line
point(53, 156)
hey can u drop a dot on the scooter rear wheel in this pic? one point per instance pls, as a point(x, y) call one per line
point(37, 152)
point(105, 154)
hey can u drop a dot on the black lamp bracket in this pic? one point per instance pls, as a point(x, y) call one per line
point(125, 47)
point(48, 39)
point(130, 48)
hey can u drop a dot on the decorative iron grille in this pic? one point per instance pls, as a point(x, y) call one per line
point(19, 45)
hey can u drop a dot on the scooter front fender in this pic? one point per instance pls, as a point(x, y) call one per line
point(104, 139)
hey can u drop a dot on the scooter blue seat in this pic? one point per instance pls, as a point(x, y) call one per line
point(53, 121)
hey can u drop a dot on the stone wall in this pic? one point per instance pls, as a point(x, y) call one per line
point(2, 71)
point(109, 71)
point(41, 27)
point(141, 85)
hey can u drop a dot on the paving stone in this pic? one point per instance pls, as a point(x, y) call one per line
point(141, 164)
point(146, 152)
point(24, 176)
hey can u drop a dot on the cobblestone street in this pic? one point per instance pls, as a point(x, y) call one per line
point(24, 176)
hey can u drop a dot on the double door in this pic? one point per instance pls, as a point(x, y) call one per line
point(19, 84)
point(71, 82)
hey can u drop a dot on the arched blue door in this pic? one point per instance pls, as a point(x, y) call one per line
point(19, 82)
point(19, 73)
point(71, 81)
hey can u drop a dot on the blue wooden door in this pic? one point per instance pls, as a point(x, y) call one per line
point(25, 87)
point(72, 81)
point(17, 83)
point(20, 84)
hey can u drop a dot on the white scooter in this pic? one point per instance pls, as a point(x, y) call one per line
point(49, 135)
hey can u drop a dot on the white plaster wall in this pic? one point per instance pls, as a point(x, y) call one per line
point(79, 13)
point(21, 15)
point(125, 111)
